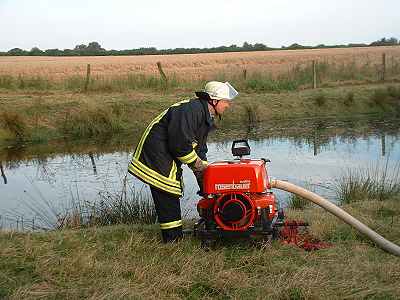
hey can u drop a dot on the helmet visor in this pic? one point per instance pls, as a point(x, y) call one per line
point(232, 93)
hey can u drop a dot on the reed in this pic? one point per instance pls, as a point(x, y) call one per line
point(126, 206)
point(375, 182)
point(111, 209)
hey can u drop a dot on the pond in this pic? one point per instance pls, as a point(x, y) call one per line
point(312, 153)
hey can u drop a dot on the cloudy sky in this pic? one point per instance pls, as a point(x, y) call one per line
point(124, 24)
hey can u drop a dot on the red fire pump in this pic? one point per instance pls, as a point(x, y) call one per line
point(237, 202)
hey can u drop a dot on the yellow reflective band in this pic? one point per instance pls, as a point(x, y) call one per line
point(174, 184)
point(176, 191)
point(146, 133)
point(150, 126)
point(179, 103)
point(205, 162)
point(170, 225)
point(172, 173)
point(194, 145)
point(155, 174)
point(189, 158)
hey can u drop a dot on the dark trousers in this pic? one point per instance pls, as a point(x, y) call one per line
point(168, 210)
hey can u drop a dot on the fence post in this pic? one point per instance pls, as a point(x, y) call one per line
point(87, 77)
point(163, 76)
point(244, 74)
point(314, 64)
point(383, 66)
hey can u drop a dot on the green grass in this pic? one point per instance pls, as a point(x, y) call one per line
point(129, 261)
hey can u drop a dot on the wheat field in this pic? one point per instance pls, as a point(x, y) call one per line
point(194, 66)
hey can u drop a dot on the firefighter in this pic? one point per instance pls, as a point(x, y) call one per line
point(178, 136)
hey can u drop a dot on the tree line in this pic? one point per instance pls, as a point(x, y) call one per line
point(94, 48)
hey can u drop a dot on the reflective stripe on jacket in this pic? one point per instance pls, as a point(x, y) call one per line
point(177, 135)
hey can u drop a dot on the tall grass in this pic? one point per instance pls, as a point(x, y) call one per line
point(375, 182)
point(26, 82)
point(265, 83)
point(34, 82)
point(118, 83)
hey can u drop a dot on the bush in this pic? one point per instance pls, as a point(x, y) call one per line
point(349, 99)
point(14, 123)
point(320, 99)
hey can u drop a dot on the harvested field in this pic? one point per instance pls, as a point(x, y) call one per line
point(195, 66)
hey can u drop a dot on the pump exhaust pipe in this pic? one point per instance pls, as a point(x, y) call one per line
point(338, 212)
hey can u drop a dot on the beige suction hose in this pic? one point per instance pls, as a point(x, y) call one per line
point(338, 212)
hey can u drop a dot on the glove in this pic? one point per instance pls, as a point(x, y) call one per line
point(198, 167)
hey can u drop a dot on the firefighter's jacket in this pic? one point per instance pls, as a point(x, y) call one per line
point(177, 135)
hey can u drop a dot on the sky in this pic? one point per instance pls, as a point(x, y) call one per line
point(124, 24)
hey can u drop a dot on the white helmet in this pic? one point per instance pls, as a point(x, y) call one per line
point(215, 90)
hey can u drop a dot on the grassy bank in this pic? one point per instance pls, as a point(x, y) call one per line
point(39, 117)
point(130, 262)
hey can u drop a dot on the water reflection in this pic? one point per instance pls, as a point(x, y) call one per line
point(301, 151)
point(2, 172)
